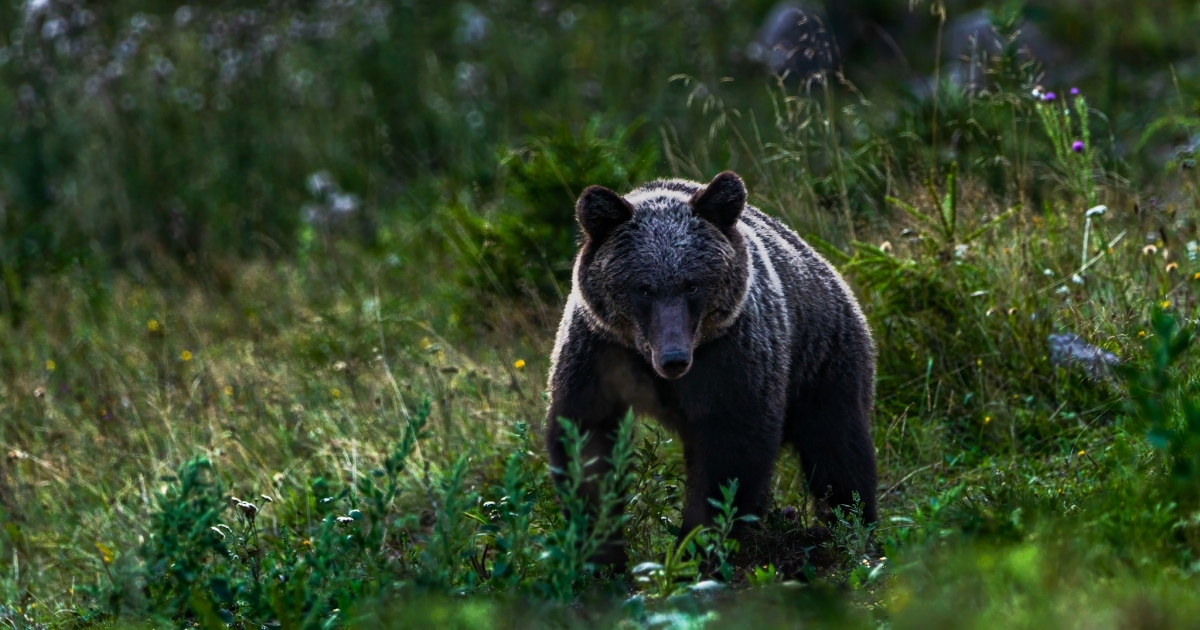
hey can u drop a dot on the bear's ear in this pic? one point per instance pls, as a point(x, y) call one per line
point(721, 201)
point(600, 211)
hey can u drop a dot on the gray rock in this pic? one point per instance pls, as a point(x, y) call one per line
point(1069, 349)
point(795, 41)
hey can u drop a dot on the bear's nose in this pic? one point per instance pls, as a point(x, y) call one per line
point(673, 363)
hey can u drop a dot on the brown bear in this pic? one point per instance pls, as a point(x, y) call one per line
point(717, 320)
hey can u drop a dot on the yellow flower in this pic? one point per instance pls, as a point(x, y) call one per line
point(1165, 304)
point(50, 365)
point(106, 554)
point(519, 364)
point(1141, 333)
point(228, 390)
point(152, 325)
point(978, 361)
point(1110, 250)
point(425, 343)
point(987, 419)
point(1197, 276)
point(1082, 453)
point(335, 392)
point(185, 355)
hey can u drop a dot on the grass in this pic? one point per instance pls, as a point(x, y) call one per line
point(344, 428)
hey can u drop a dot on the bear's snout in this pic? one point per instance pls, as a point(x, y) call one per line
point(674, 363)
point(671, 337)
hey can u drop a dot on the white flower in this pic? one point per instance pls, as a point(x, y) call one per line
point(1077, 279)
point(342, 203)
point(1047, 273)
point(319, 183)
point(1098, 210)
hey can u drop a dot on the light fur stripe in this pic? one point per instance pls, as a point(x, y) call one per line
point(564, 328)
point(772, 275)
point(641, 196)
point(796, 259)
point(741, 305)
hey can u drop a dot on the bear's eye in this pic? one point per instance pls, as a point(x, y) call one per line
point(692, 289)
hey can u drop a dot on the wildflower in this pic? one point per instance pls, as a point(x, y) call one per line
point(960, 249)
point(39, 393)
point(219, 532)
point(344, 520)
point(1047, 273)
point(1196, 276)
point(106, 554)
point(987, 419)
point(266, 498)
point(1074, 91)
point(1165, 304)
point(335, 392)
point(1149, 249)
point(1007, 251)
point(978, 361)
point(1062, 290)
point(340, 366)
point(228, 390)
point(1037, 92)
point(1082, 453)
point(248, 508)
point(1012, 311)
point(1077, 146)
point(1141, 333)
point(185, 356)
point(519, 364)
point(886, 246)
point(1077, 279)
point(1049, 97)
point(152, 325)
point(425, 343)
point(50, 365)
point(1171, 267)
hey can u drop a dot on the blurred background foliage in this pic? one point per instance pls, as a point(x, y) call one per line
point(142, 134)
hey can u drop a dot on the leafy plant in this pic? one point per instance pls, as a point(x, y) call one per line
point(680, 567)
point(586, 527)
point(717, 541)
point(1169, 408)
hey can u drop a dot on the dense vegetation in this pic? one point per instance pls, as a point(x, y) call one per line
point(280, 282)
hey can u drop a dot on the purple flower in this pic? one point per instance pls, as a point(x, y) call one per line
point(1074, 91)
point(1077, 146)
point(1050, 96)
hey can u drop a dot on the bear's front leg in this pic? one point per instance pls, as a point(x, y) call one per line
point(730, 437)
point(580, 393)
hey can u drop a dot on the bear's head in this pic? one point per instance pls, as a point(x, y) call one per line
point(664, 270)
